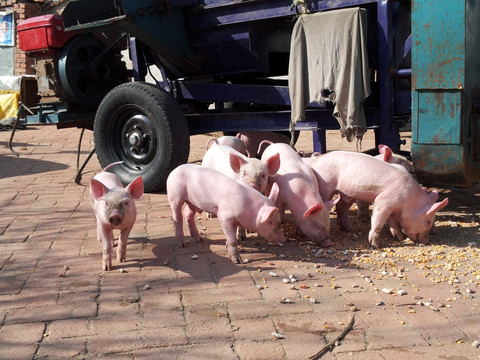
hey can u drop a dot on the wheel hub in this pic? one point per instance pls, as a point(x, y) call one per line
point(135, 139)
point(138, 139)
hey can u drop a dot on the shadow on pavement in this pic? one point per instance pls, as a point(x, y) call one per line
point(16, 166)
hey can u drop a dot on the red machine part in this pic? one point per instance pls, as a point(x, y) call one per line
point(42, 33)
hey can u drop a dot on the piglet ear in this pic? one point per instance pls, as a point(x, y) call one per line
point(236, 162)
point(437, 206)
point(274, 191)
point(385, 151)
point(98, 189)
point(268, 211)
point(331, 203)
point(273, 164)
point(313, 210)
point(135, 188)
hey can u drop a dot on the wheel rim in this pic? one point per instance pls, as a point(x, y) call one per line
point(133, 137)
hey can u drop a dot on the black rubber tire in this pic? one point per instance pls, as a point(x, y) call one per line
point(145, 127)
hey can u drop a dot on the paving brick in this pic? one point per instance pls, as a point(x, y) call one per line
point(220, 350)
point(468, 325)
point(434, 328)
point(446, 351)
point(156, 354)
point(261, 308)
point(303, 345)
point(259, 350)
point(19, 341)
point(363, 355)
point(158, 318)
point(164, 337)
point(114, 343)
point(51, 313)
point(65, 348)
point(16, 352)
point(260, 329)
point(112, 325)
point(62, 329)
point(391, 335)
point(220, 295)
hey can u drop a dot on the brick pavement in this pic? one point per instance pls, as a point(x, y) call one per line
point(56, 303)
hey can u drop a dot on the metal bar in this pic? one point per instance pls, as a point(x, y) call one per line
point(389, 134)
point(320, 141)
point(138, 66)
point(246, 11)
point(402, 72)
point(407, 47)
point(268, 120)
point(236, 121)
point(259, 94)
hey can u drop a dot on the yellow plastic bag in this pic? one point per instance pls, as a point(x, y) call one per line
point(8, 103)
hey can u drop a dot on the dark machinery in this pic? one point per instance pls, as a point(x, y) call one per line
point(223, 67)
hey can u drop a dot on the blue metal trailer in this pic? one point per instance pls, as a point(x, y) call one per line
point(223, 64)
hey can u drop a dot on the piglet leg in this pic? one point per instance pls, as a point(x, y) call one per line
point(380, 214)
point(178, 224)
point(363, 212)
point(189, 213)
point(343, 219)
point(106, 236)
point(395, 228)
point(230, 234)
point(241, 233)
point(122, 245)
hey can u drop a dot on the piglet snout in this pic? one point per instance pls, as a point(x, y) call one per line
point(326, 242)
point(115, 218)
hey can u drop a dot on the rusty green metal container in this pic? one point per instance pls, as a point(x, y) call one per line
point(446, 91)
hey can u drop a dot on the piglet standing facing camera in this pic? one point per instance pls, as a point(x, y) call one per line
point(114, 208)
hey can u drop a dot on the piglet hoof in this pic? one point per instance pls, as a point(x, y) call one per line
point(182, 244)
point(122, 257)
point(107, 265)
point(234, 256)
point(107, 262)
